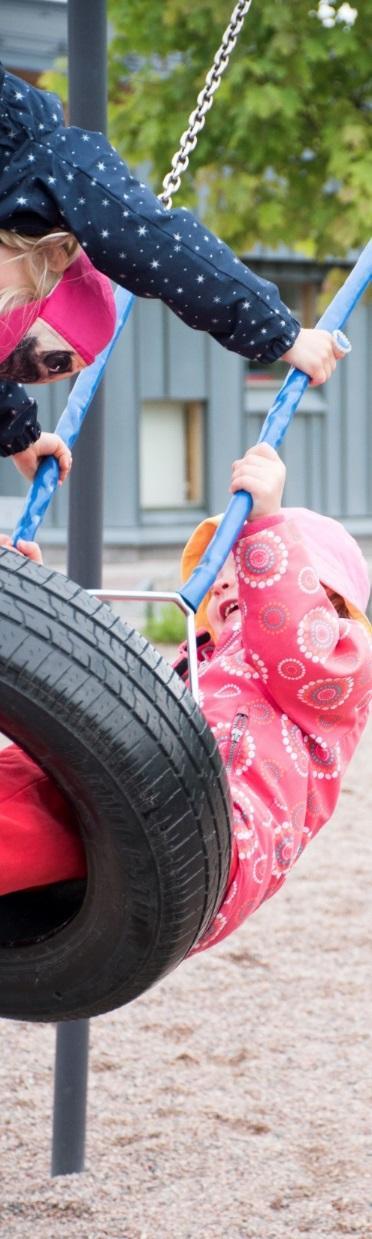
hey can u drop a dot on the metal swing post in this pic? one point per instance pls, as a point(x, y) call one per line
point(87, 61)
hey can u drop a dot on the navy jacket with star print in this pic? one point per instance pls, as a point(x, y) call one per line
point(53, 176)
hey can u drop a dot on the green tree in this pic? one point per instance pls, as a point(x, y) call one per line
point(285, 155)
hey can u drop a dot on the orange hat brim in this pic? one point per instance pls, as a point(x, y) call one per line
point(191, 556)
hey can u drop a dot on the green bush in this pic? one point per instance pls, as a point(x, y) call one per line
point(168, 627)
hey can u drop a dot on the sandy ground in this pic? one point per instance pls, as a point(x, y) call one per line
point(233, 1101)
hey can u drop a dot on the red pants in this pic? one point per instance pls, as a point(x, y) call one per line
point(39, 841)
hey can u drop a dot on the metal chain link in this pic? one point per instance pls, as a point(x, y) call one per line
point(180, 161)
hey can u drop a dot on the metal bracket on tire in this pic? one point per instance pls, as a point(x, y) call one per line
point(149, 595)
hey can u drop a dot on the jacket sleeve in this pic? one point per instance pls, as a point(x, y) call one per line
point(316, 666)
point(132, 238)
point(19, 426)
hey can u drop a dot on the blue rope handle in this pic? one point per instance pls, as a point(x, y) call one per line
point(68, 427)
point(274, 428)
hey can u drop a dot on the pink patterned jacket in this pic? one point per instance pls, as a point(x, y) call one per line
point(286, 692)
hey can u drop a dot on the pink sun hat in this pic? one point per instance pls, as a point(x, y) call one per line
point(81, 309)
point(335, 555)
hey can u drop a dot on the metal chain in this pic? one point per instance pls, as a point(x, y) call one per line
point(180, 161)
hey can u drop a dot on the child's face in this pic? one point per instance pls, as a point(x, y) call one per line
point(223, 604)
point(42, 356)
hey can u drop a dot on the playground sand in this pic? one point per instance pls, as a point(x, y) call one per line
point(233, 1101)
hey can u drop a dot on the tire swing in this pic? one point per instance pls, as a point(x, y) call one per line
point(117, 729)
point(97, 708)
point(113, 724)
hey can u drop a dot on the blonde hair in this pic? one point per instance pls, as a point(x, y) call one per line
point(45, 260)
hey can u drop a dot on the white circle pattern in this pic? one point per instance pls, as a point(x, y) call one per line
point(291, 669)
point(235, 663)
point(262, 561)
point(294, 743)
point(308, 580)
point(327, 693)
point(262, 670)
point(317, 634)
point(325, 758)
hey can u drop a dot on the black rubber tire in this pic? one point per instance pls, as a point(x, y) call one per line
point(94, 704)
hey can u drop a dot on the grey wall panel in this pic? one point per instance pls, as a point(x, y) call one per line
point(52, 401)
point(348, 442)
point(357, 416)
point(316, 471)
point(224, 423)
point(251, 430)
point(11, 482)
point(151, 348)
point(334, 447)
point(294, 453)
point(186, 360)
point(121, 452)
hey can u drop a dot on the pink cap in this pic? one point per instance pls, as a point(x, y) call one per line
point(81, 309)
point(334, 554)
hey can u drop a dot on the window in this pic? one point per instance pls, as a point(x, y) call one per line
point(171, 454)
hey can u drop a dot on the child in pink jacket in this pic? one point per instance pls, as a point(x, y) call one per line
point(285, 678)
point(285, 665)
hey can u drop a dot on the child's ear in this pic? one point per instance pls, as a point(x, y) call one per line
point(59, 252)
point(57, 261)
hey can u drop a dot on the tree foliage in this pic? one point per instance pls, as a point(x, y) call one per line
point(286, 150)
point(285, 155)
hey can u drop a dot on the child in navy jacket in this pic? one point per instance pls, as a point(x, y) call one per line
point(57, 177)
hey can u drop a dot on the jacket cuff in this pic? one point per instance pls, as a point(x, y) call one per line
point(29, 434)
point(19, 426)
point(277, 347)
